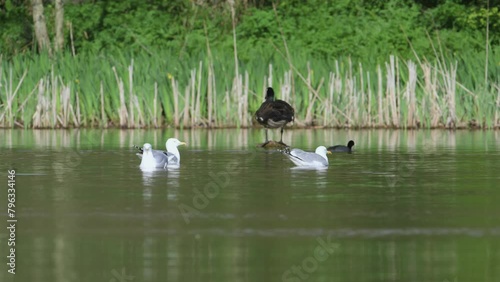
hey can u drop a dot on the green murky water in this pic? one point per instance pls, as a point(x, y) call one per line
point(405, 206)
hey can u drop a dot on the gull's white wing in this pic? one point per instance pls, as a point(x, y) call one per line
point(303, 158)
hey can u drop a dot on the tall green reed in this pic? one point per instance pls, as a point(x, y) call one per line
point(208, 90)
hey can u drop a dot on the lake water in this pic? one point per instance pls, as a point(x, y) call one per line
point(405, 206)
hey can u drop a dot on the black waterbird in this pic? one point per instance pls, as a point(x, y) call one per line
point(342, 148)
point(274, 113)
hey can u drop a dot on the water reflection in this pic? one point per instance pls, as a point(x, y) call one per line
point(87, 139)
point(316, 177)
point(173, 174)
point(405, 206)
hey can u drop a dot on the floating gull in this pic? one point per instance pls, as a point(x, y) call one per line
point(174, 157)
point(151, 159)
point(342, 148)
point(160, 159)
point(274, 114)
point(308, 159)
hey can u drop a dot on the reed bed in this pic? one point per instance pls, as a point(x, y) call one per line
point(216, 91)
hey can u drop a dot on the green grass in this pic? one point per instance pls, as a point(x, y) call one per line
point(326, 93)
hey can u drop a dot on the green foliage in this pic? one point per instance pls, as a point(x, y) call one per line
point(477, 18)
point(366, 29)
point(15, 27)
point(128, 25)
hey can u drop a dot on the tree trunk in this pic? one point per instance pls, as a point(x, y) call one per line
point(59, 44)
point(41, 34)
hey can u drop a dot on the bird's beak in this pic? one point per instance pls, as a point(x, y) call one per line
point(182, 143)
point(328, 152)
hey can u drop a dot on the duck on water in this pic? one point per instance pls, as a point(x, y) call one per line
point(342, 148)
point(274, 113)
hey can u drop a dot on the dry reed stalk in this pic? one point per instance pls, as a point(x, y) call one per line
point(197, 108)
point(381, 121)
point(235, 48)
point(398, 90)
point(354, 103)
point(147, 111)
point(140, 117)
point(345, 94)
point(227, 100)
point(75, 121)
point(361, 97)
point(338, 81)
point(368, 82)
point(71, 38)
point(192, 96)
point(47, 98)
point(122, 112)
point(487, 44)
point(39, 115)
point(103, 113)
point(410, 94)
point(1, 70)
point(214, 85)
point(449, 78)
point(211, 89)
point(215, 118)
point(1, 76)
point(65, 102)
point(53, 92)
point(337, 89)
point(430, 87)
point(354, 100)
point(78, 116)
point(210, 94)
point(329, 100)
point(269, 79)
point(61, 116)
point(175, 90)
point(70, 113)
point(155, 101)
point(237, 93)
point(349, 92)
point(497, 114)
point(338, 86)
point(309, 116)
point(237, 80)
point(286, 88)
point(131, 120)
point(9, 95)
point(392, 91)
point(245, 120)
point(185, 118)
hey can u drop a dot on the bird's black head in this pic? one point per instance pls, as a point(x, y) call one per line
point(350, 144)
point(270, 94)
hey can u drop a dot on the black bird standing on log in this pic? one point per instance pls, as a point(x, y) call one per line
point(274, 114)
